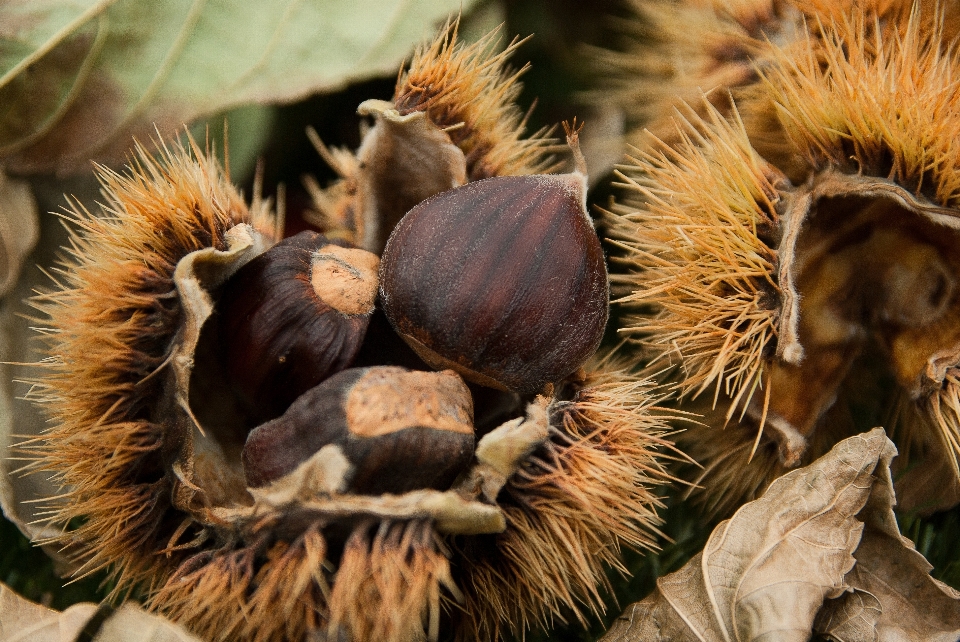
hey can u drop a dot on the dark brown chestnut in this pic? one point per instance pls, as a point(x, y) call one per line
point(502, 280)
point(292, 317)
point(399, 429)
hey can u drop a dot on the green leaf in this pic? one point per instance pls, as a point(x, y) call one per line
point(79, 79)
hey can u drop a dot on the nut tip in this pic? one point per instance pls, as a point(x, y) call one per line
point(572, 130)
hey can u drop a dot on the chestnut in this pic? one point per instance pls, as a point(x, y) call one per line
point(502, 280)
point(399, 429)
point(293, 316)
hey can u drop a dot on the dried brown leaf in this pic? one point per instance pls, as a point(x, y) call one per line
point(851, 618)
point(19, 228)
point(893, 596)
point(24, 621)
point(765, 573)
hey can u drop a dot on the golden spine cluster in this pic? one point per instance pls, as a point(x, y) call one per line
point(469, 92)
point(570, 508)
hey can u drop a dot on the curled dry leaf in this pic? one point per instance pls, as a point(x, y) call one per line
point(23, 621)
point(893, 596)
point(80, 78)
point(19, 228)
point(820, 551)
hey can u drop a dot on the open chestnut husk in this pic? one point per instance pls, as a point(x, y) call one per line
point(797, 258)
point(399, 430)
point(292, 317)
point(154, 494)
point(502, 280)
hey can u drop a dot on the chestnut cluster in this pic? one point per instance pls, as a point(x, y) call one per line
point(486, 295)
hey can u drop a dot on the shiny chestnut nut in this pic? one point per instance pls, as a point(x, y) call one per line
point(502, 280)
point(399, 429)
point(292, 317)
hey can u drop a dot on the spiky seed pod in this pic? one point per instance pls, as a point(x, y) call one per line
point(152, 472)
point(586, 488)
point(470, 92)
point(770, 292)
point(676, 50)
point(413, 547)
point(452, 120)
point(708, 216)
point(390, 581)
point(111, 322)
point(125, 302)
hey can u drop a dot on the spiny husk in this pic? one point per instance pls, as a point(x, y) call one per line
point(109, 326)
point(885, 19)
point(291, 561)
point(729, 475)
point(711, 220)
point(161, 502)
point(676, 51)
point(925, 470)
point(732, 467)
point(580, 497)
point(470, 92)
point(470, 129)
point(391, 579)
point(905, 132)
point(402, 564)
point(944, 408)
point(701, 253)
point(867, 102)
